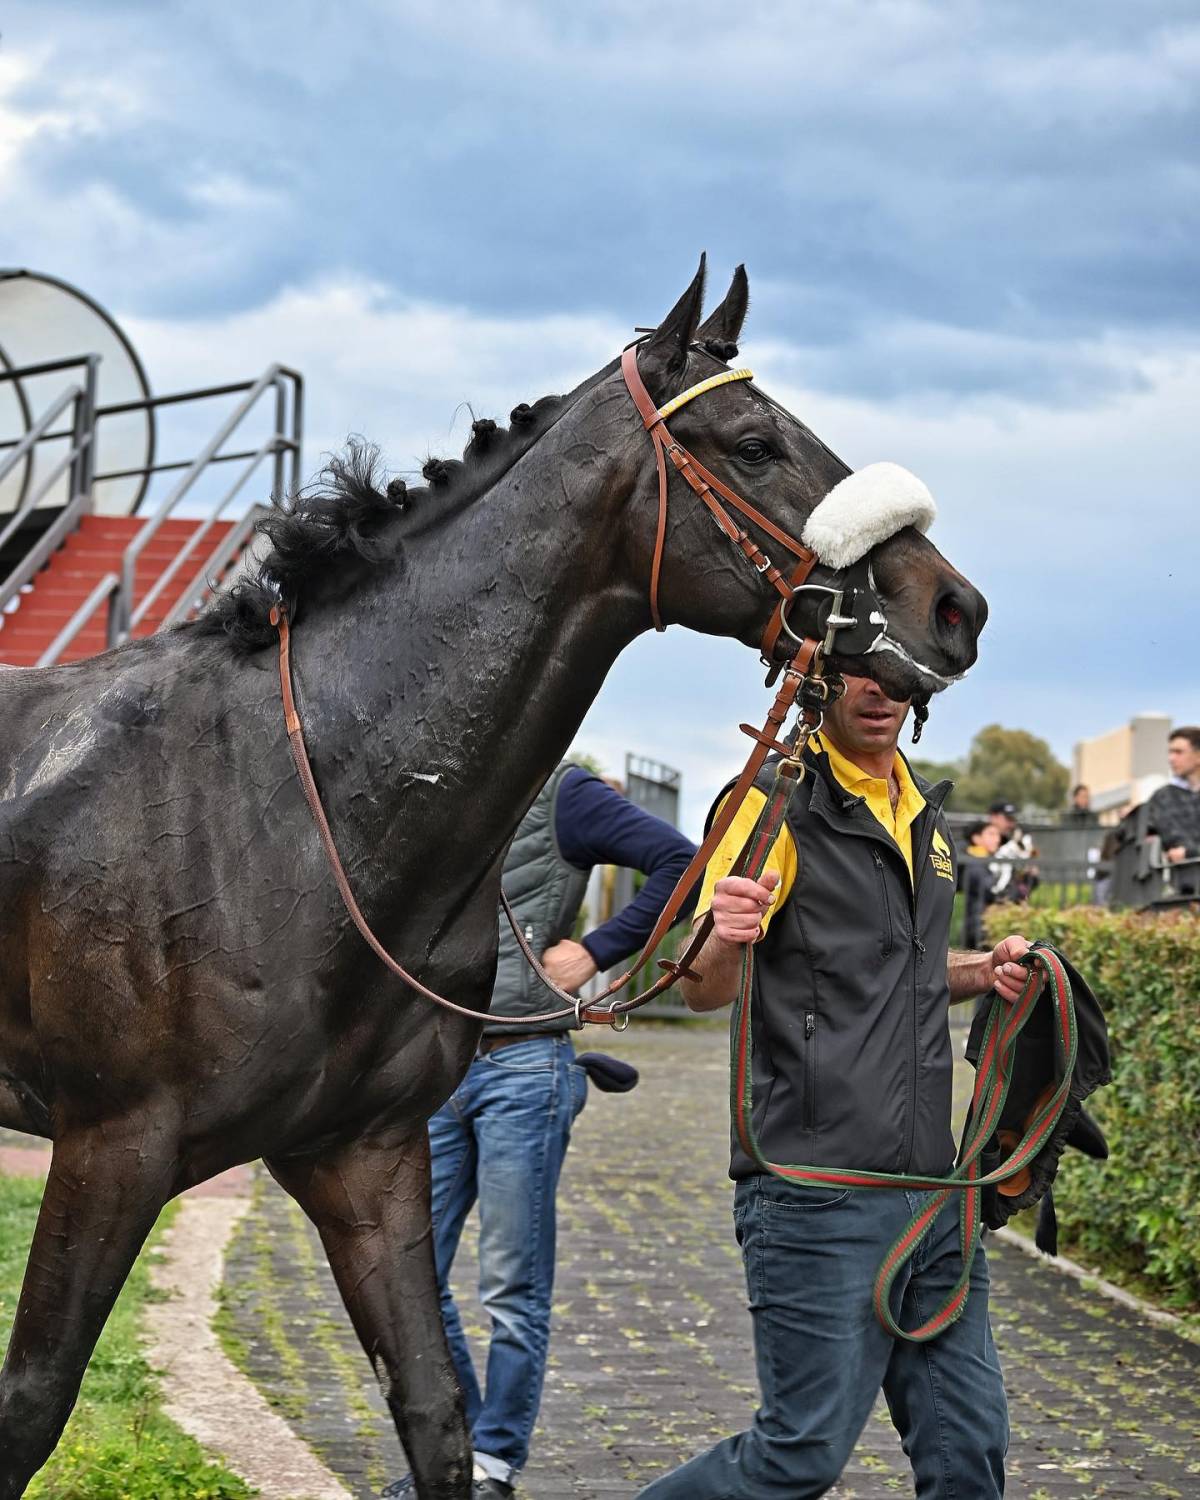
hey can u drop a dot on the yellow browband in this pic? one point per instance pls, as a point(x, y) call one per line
point(710, 384)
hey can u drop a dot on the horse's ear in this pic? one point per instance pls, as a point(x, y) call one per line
point(663, 357)
point(724, 324)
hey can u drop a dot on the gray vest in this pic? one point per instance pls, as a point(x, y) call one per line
point(545, 893)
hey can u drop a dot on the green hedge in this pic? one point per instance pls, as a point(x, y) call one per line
point(1139, 1212)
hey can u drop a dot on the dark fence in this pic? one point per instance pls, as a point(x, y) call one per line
point(1063, 865)
point(1066, 865)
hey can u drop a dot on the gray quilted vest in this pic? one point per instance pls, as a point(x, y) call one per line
point(545, 893)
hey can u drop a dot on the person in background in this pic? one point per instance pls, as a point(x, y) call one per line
point(1004, 816)
point(501, 1138)
point(1080, 811)
point(1174, 810)
point(975, 880)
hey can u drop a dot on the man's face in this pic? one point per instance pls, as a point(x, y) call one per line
point(1083, 798)
point(865, 719)
point(989, 838)
point(1005, 824)
point(1183, 759)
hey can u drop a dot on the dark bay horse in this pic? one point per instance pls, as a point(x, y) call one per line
point(180, 989)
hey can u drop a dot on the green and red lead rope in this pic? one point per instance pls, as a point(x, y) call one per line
point(993, 1072)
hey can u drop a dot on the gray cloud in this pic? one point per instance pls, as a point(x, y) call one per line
point(1016, 175)
point(970, 229)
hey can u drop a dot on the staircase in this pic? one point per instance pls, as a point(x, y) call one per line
point(95, 549)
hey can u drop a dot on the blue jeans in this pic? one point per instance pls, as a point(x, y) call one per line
point(500, 1139)
point(811, 1256)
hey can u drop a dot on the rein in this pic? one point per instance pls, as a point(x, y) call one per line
point(804, 685)
point(795, 683)
point(802, 678)
point(994, 1070)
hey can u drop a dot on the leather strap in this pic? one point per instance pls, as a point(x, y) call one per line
point(708, 487)
point(593, 1012)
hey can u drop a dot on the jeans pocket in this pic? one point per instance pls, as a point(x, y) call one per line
point(537, 1055)
point(805, 1200)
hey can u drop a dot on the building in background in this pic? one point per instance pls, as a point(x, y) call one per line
point(1125, 765)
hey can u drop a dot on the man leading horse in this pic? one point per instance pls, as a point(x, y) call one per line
point(852, 1068)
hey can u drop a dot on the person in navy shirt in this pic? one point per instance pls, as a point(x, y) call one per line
point(500, 1139)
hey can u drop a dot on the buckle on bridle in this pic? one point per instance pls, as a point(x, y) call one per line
point(819, 692)
point(603, 1016)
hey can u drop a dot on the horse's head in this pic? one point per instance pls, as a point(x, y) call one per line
point(917, 618)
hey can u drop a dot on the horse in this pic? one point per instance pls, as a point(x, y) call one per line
point(180, 988)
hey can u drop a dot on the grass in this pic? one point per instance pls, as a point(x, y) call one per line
point(118, 1445)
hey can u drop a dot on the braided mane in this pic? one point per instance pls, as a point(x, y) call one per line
point(349, 518)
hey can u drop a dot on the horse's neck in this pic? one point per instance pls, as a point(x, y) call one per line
point(445, 692)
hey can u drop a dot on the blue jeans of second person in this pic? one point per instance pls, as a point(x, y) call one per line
point(811, 1256)
point(500, 1139)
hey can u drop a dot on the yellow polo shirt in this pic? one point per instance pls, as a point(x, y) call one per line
point(782, 858)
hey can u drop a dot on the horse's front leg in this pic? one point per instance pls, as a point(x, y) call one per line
point(104, 1191)
point(370, 1203)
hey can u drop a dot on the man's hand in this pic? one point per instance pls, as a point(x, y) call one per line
point(737, 911)
point(1009, 977)
point(972, 974)
point(1176, 853)
point(569, 964)
point(738, 905)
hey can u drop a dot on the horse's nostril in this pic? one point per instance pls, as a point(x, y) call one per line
point(950, 612)
point(953, 609)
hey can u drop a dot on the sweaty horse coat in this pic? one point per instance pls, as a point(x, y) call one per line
point(180, 989)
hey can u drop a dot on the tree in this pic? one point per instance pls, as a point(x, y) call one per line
point(1014, 766)
point(587, 760)
point(934, 771)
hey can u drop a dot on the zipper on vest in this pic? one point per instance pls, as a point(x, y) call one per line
point(890, 940)
point(915, 1045)
point(527, 979)
point(917, 956)
point(810, 1071)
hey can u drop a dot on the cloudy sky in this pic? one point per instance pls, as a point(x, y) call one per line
point(970, 229)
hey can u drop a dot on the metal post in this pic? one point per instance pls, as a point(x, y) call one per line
point(277, 480)
point(297, 431)
point(120, 608)
point(87, 466)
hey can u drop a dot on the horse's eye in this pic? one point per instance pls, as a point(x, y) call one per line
point(754, 451)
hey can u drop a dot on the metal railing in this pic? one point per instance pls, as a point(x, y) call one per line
point(226, 553)
point(78, 462)
point(116, 593)
point(107, 586)
point(123, 617)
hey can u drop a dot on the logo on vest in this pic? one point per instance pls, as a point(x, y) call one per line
point(939, 857)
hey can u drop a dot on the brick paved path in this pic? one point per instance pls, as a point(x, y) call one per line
point(650, 1357)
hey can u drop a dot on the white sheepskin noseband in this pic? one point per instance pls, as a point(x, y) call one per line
point(866, 508)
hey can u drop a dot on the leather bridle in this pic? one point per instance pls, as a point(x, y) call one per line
point(804, 682)
point(712, 492)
